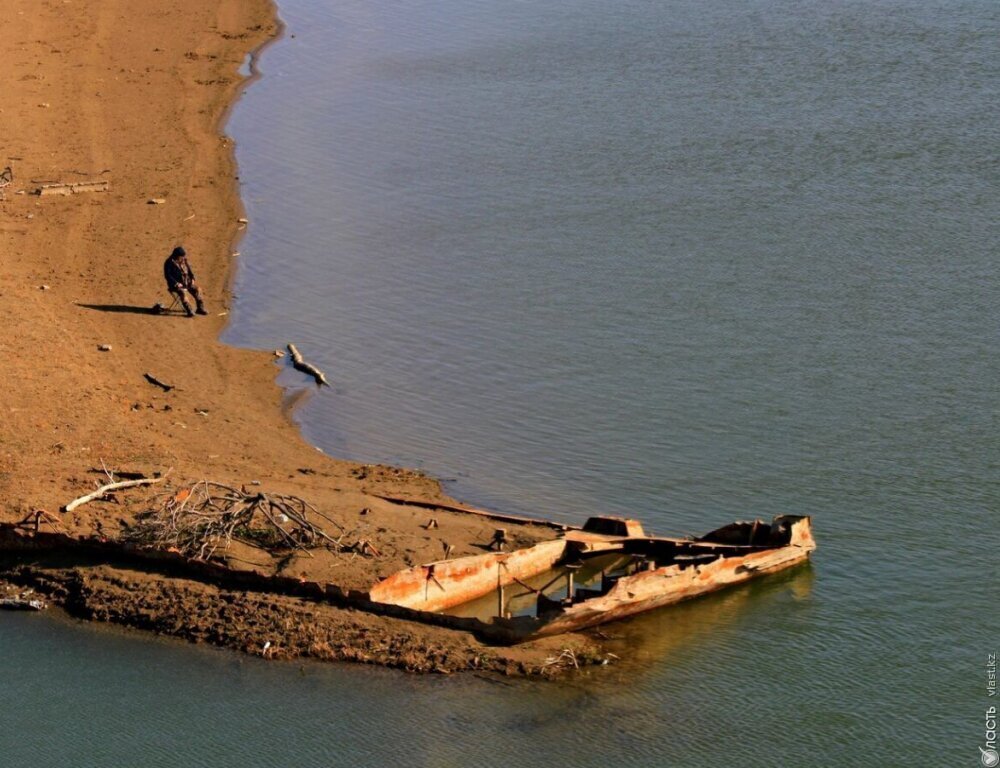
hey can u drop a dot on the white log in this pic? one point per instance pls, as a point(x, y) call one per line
point(105, 489)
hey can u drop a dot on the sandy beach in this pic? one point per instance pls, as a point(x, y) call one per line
point(136, 95)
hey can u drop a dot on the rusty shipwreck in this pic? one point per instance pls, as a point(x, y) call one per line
point(607, 570)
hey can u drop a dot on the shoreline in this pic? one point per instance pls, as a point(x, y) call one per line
point(240, 87)
point(140, 98)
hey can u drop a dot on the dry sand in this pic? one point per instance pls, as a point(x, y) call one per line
point(134, 94)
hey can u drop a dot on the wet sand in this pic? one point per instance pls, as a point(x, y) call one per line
point(136, 95)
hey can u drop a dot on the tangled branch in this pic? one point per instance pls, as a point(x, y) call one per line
point(200, 519)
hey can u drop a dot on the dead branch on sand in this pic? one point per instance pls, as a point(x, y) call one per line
point(565, 659)
point(104, 490)
point(157, 383)
point(201, 519)
point(34, 520)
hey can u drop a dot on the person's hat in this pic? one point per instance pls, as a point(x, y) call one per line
point(178, 251)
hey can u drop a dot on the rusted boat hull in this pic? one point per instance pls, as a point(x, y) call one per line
point(442, 585)
point(660, 588)
point(658, 572)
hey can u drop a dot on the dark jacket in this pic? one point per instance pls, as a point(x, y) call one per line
point(177, 271)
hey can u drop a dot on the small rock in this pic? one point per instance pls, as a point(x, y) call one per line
point(242, 221)
point(255, 482)
point(104, 348)
point(278, 353)
point(43, 288)
point(156, 201)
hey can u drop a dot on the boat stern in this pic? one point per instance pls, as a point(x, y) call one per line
point(799, 529)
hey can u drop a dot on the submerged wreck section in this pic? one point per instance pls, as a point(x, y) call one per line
point(606, 571)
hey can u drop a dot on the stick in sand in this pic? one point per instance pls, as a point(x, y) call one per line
point(105, 489)
point(156, 382)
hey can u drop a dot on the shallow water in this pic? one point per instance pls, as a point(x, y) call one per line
point(88, 695)
point(686, 261)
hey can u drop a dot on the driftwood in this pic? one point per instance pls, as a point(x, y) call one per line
point(301, 365)
point(564, 659)
point(72, 188)
point(104, 490)
point(35, 519)
point(201, 519)
point(156, 382)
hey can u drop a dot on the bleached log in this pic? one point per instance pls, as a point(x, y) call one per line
point(101, 492)
point(72, 189)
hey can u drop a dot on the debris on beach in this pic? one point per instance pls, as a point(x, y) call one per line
point(22, 601)
point(6, 179)
point(72, 188)
point(201, 519)
point(36, 519)
point(104, 490)
point(156, 382)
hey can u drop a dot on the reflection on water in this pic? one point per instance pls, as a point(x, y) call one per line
point(164, 703)
point(689, 627)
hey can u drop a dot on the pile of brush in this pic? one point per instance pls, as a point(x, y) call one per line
point(200, 519)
